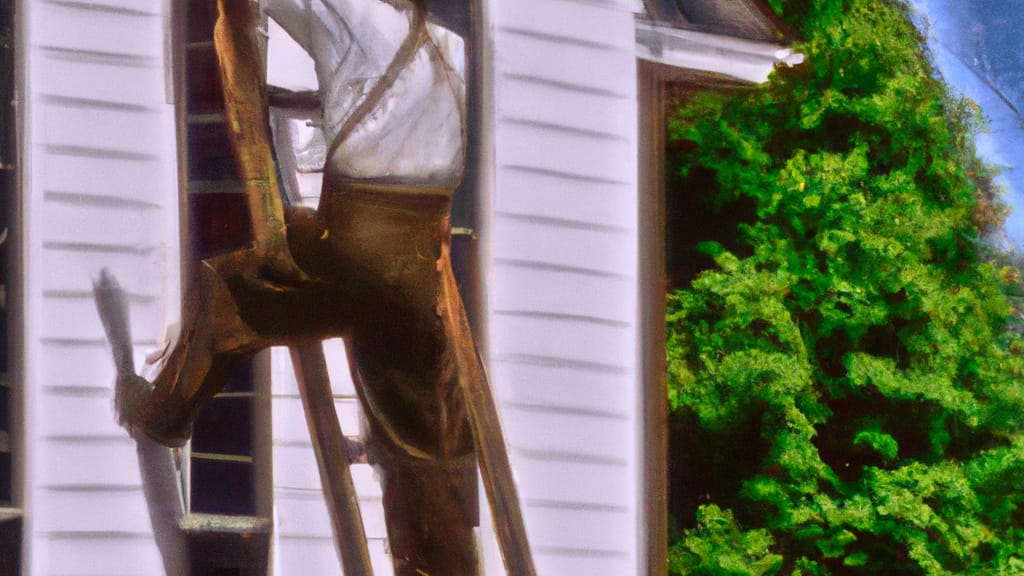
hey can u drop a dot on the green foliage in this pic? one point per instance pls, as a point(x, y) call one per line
point(852, 321)
point(718, 546)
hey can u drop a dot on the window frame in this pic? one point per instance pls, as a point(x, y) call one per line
point(651, 91)
point(243, 540)
point(661, 82)
point(11, 173)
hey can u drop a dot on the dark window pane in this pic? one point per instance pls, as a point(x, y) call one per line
point(224, 427)
point(209, 152)
point(10, 530)
point(220, 487)
point(218, 223)
point(205, 95)
point(5, 479)
point(10, 547)
point(243, 378)
point(202, 15)
point(5, 415)
point(3, 344)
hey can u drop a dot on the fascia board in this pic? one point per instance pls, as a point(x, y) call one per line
point(746, 60)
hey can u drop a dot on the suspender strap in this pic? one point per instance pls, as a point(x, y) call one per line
point(406, 52)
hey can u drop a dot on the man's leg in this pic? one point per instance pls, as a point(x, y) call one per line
point(431, 513)
point(419, 440)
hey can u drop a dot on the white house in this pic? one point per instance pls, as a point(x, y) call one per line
point(116, 160)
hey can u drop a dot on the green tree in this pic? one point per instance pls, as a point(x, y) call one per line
point(847, 372)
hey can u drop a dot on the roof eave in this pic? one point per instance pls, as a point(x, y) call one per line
point(746, 60)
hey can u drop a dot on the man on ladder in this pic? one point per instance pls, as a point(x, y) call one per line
point(371, 265)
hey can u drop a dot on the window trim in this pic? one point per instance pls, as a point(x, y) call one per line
point(14, 115)
point(651, 89)
point(657, 84)
point(248, 536)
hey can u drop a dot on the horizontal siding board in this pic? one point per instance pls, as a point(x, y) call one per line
point(561, 339)
point(562, 280)
point(594, 68)
point(120, 132)
point(521, 101)
point(571, 436)
point(608, 251)
point(524, 384)
point(569, 153)
point(140, 7)
point(571, 409)
point(97, 224)
point(83, 367)
point(306, 515)
point(88, 463)
point(609, 532)
point(338, 368)
point(295, 469)
point(102, 194)
point(81, 416)
point(290, 419)
point(589, 482)
point(316, 556)
point(102, 555)
point(282, 376)
point(114, 178)
point(558, 561)
point(116, 205)
point(77, 366)
point(555, 194)
point(76, 318)
point(303, 541)
point(122, 511)
point(574, 21)
point(620, 6)
point(90, 80)
point(553, 291)
point(283, 381)
point(69, 25)
point(68, 271)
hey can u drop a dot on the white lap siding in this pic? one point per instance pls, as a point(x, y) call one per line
point(562, 277)
point(99, 191)
point(303, 540)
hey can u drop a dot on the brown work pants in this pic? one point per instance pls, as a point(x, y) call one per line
point(376, 257)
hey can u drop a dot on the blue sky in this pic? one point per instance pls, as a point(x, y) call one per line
point(976, 48)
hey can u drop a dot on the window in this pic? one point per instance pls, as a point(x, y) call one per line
point(651, 105)
point(10, 517)
point(228, 462)
point(7, 200)
point(685, 47)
